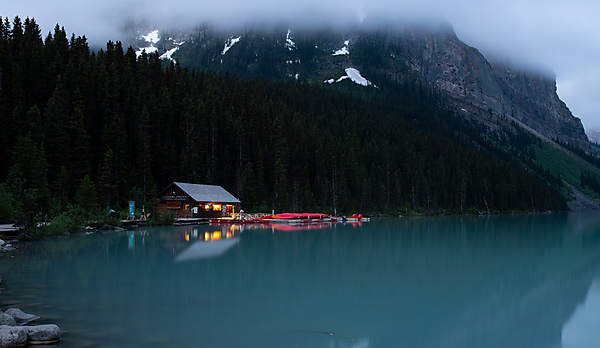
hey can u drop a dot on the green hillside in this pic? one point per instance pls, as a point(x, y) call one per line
point(569, 166)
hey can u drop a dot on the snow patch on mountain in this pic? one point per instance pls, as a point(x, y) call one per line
point(229, 43)
point(289, 43)
point(355, 76)
point(148, 50)
point(169, 53)
point(152, 38)
point(342, 51)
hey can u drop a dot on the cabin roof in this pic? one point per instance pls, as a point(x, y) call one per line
point(207, 193)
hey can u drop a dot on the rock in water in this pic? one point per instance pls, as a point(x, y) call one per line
point(12, 336)
point(21, 317)
point(7, 319)
point(43, 334)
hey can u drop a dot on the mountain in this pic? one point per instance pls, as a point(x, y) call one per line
point(372, 55)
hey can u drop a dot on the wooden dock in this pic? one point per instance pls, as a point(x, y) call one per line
point(8, 229)
point(178, 222)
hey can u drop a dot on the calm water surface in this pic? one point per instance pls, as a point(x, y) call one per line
point(505, 281)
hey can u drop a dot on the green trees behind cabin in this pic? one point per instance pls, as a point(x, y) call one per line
point(76, 121)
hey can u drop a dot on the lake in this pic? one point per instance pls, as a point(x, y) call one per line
point(471, 281)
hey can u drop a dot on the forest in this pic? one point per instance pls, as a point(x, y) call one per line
point(100, 128)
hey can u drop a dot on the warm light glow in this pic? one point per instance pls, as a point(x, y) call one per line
point(187, 237)
point(216, 207)
point(216, 235)
point(206, 236)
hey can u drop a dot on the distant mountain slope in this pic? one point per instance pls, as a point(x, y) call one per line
point(376, 54)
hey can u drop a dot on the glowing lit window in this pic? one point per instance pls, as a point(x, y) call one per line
point(217, 207)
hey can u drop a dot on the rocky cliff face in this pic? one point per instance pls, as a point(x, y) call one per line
point(490, 91)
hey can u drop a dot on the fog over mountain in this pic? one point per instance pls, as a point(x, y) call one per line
point(546, 35)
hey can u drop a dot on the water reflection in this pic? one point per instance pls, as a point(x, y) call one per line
point(509, 281)
point(196, 242)
point(581, 330)
point(206, 249)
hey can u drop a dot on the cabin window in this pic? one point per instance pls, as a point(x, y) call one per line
point(216, 207)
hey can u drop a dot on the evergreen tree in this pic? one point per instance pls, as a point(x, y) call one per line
point(86, 194)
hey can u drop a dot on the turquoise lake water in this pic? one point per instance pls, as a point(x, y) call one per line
point(498, 281)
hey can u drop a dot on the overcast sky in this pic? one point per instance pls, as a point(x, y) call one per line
point(560, 36)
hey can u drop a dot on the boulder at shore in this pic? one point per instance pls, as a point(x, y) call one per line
point(12, 336)
point(21, 317)
point(7, 319)
point(17, 336)
point(45, 334)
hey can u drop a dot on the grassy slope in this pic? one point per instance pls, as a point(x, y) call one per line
point(566, 164)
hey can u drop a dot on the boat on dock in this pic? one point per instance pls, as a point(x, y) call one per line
point(355, 218)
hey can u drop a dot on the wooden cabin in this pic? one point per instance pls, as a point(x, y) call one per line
point(197, 201)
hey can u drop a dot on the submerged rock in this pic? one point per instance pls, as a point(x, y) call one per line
point(7, 319)
point(21, 317)
point(12, 336)
point(45, 334)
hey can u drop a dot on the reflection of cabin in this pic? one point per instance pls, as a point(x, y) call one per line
point(197, 201)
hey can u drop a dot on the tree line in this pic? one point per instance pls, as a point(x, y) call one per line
point(101, 128)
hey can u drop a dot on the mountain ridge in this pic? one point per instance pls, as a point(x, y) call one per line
point(480, 89)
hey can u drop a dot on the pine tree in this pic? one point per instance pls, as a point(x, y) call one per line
point(86, 194)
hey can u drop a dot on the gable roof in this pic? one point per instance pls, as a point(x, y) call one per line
point(207, 193)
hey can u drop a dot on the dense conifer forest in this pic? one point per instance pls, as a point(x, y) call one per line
point(101, 128)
